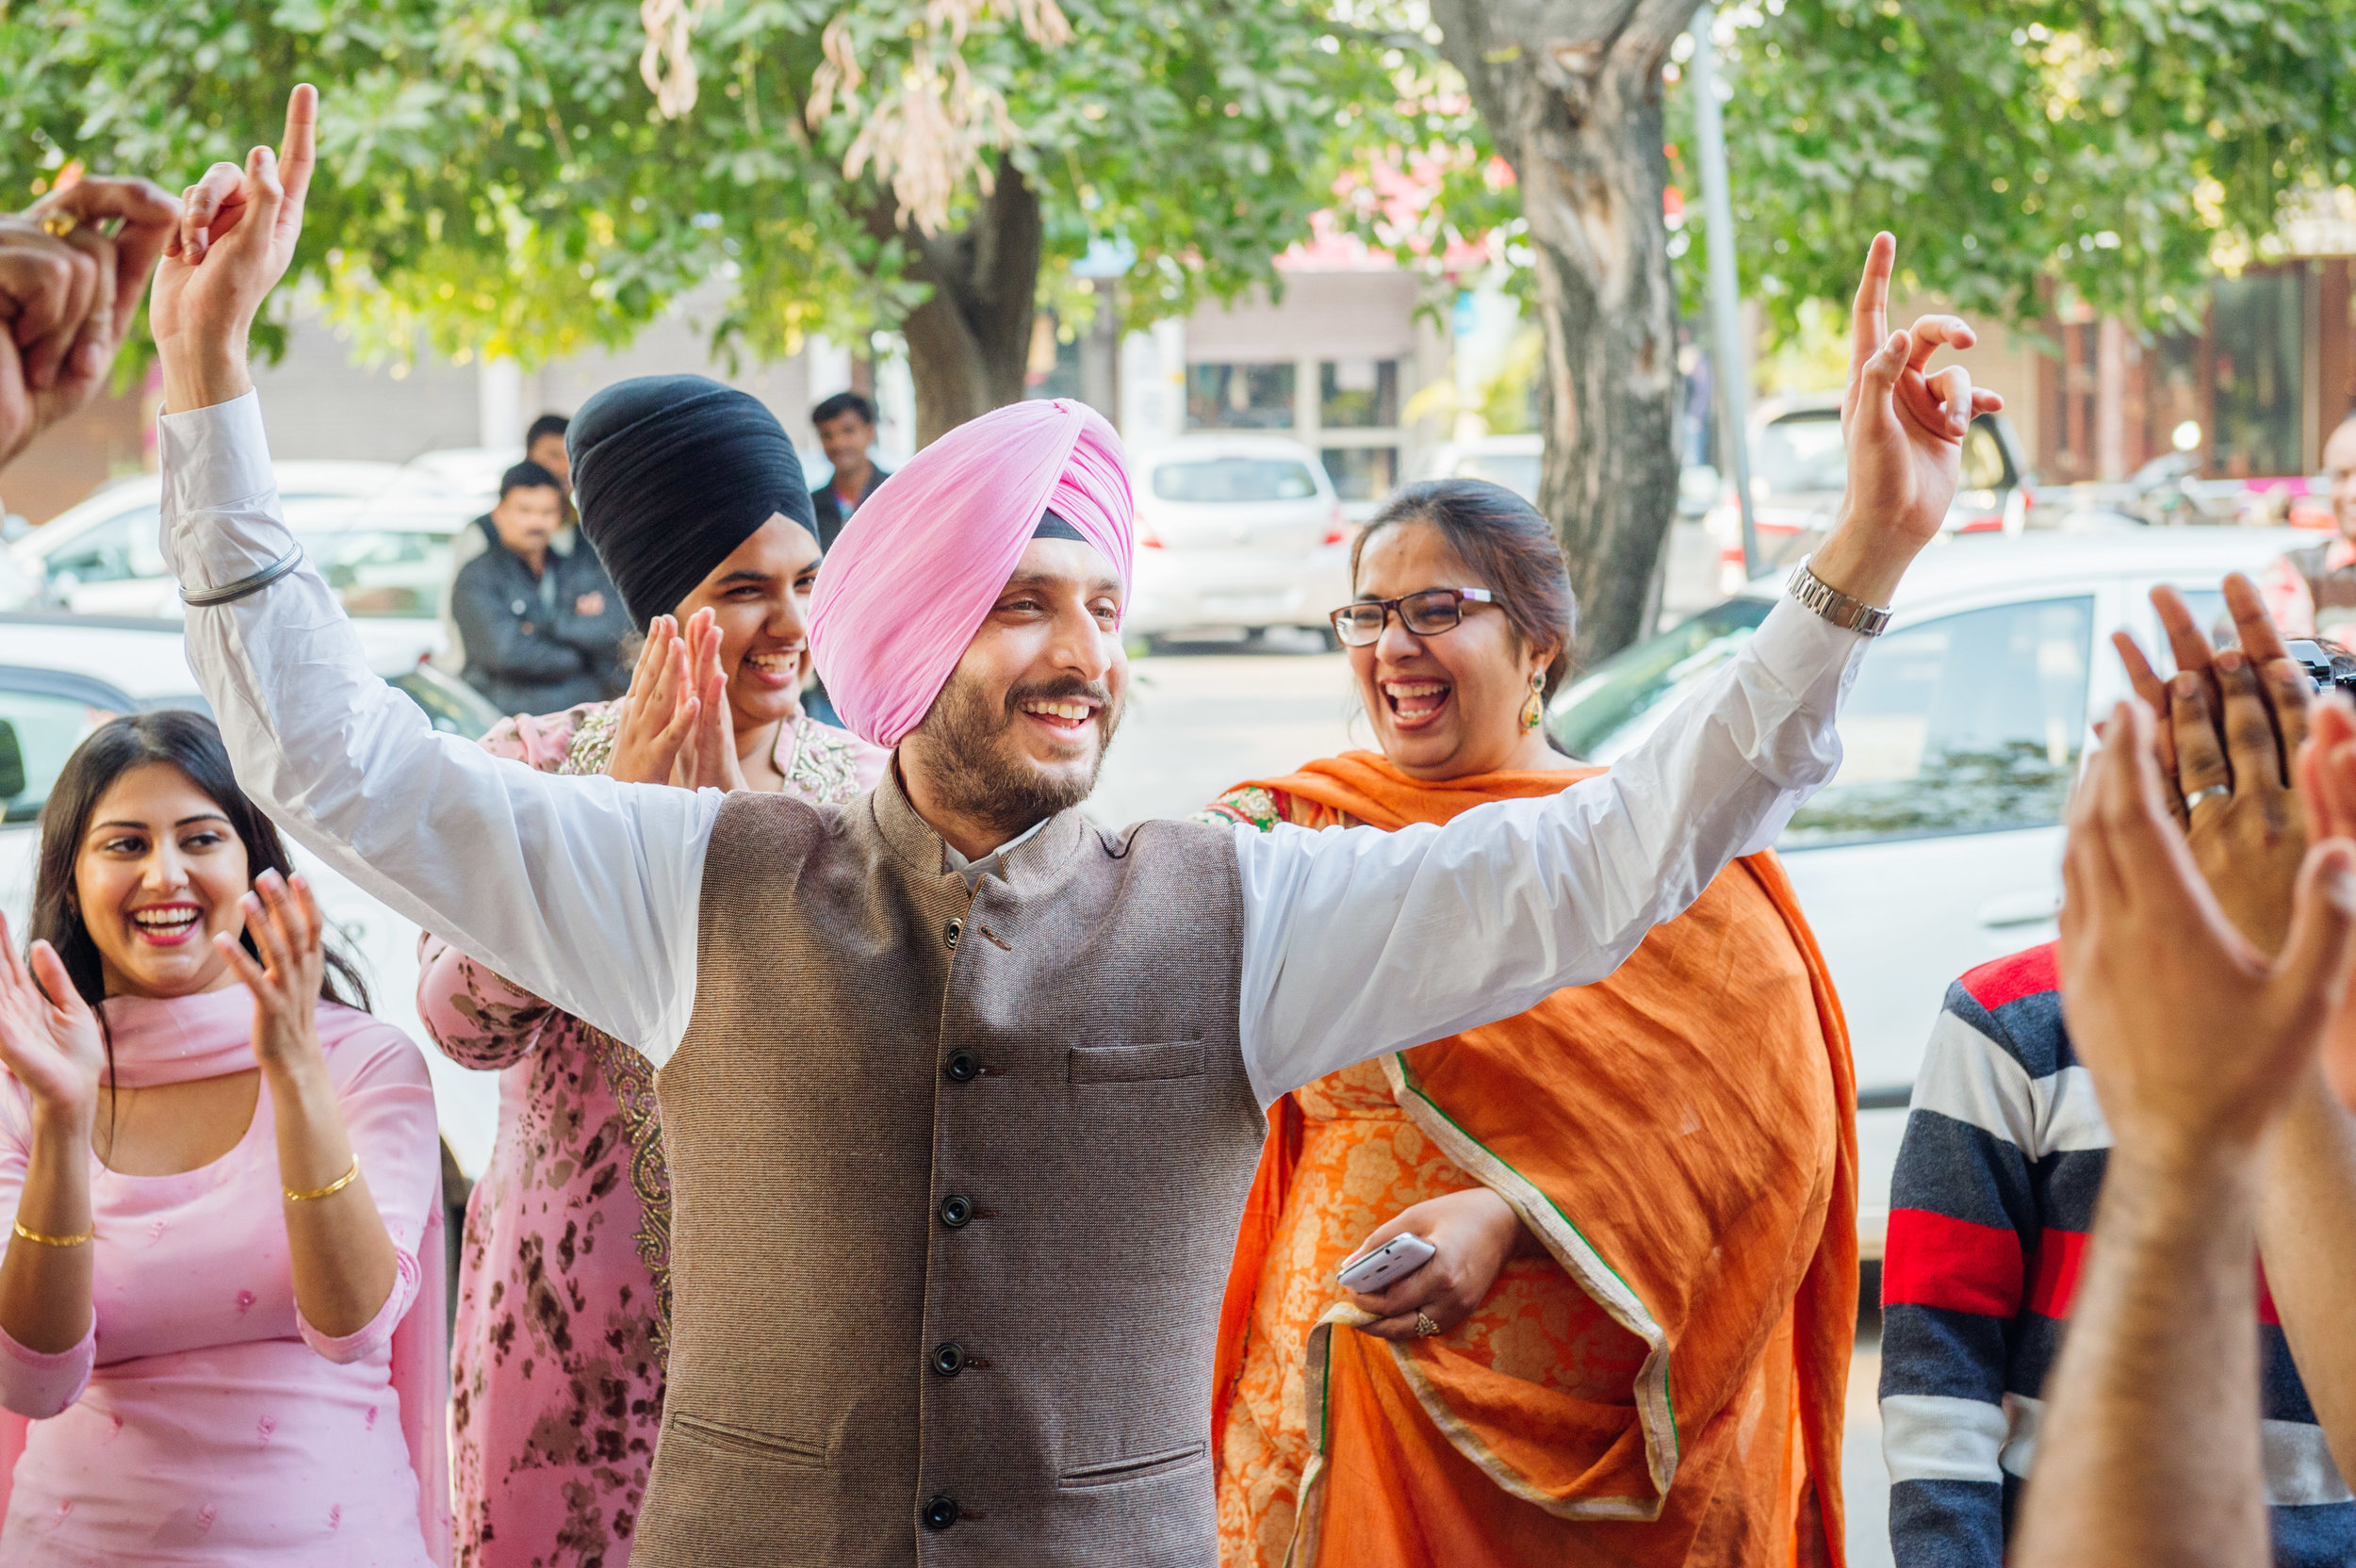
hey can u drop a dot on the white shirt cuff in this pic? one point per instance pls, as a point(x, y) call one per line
point(217, 468)
point(1801, 652)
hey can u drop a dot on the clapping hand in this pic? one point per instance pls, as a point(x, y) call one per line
point(283, 919)
point(72, 269)
point(2230, 728)
point(1904, 428)
point(54, 1048)
point(675, 725)
point(2195, 1037)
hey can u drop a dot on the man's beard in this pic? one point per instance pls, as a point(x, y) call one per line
point(978, 780)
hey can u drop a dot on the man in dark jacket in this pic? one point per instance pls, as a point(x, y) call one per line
point(542, 631)
point(846, 433)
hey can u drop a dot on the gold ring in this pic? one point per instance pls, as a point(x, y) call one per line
point(56, 225)
point(1425, 1328)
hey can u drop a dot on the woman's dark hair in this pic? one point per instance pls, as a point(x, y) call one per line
point(1509, 547)
point(190, 742)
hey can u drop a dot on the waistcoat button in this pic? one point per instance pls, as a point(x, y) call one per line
point(962, 1067)
point(955, 1211)
point(940, 1511)
point(949, 1359)
point(950, 933)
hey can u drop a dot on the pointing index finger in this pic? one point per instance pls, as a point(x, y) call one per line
point(1870, 317)
point(299, 153)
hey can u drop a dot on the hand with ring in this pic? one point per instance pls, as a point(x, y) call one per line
point(2231, 723)
point(1474, 1233)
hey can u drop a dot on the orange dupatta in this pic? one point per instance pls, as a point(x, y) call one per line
point(1669, 1158)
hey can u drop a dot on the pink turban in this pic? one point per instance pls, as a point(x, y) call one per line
point(924, 559)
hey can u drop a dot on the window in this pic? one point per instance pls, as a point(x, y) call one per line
point(1226, 481)
point(1801, 454)
point(117, 551)
point(2259, 374)
point(1969, 723)
point(1805, 453)
point(48, 726)
point(452, 707)
point(1240, 397)
point(1983, 458)
point(1606, 711)
point(1362, 473)
point(1358, 394)
point(383, 573)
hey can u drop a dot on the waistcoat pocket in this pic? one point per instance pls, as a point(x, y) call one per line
point(747, 1441)
point(1145, 1466)
point(1135, 1064)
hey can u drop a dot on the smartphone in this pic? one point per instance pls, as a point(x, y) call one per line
point(1388, 1263)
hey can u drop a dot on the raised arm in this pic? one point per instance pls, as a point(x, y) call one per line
point(581, 890)
point(1360, 942)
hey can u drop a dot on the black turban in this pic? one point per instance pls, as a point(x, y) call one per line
point(671, 473)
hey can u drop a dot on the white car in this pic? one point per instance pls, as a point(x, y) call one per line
point(1235, 534)
point(63, 675)
point(391, 561)
point(1938, 845)
point(1799, 467)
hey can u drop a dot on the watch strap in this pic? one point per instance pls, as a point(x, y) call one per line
point(1850, 614)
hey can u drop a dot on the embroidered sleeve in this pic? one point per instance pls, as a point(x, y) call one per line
point(592, 745)
point(1252, 806)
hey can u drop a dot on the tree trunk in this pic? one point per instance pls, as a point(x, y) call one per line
point(970, 343)
point(1571, 93)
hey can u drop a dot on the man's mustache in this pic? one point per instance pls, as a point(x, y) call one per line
point(1057, 690)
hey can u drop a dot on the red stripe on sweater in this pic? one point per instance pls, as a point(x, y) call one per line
point(1935, 1260)
point(2055, 1279)
point(2059, 1254)
point(2009, 979)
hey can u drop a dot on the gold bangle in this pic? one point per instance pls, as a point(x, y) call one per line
point(330, 1189)
point(54, 1241)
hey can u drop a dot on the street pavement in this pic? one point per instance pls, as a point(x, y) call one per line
point(1200, 721)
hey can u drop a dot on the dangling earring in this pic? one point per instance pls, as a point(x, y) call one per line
point(1534, 711)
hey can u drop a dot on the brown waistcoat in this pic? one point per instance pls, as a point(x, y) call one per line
point(954, 1184)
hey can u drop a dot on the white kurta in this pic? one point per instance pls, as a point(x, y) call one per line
point(584, 891)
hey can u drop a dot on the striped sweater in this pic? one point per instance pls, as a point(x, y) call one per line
point(1989, 1210)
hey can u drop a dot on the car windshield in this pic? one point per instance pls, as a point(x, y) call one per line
point(1230, 481)
point(454, 707)
point(383, 573)
point(1802, 453)
point(1613, 706)
point(1517, 471)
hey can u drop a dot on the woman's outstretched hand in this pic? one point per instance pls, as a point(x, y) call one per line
point(238, 230)
point(675, 727)
point(283, 919)
point(54, 1048)
point(1474, 1233)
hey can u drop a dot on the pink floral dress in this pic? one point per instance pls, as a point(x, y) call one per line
point(564, 1280)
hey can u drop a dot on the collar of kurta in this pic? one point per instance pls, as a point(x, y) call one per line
point(1028, 863)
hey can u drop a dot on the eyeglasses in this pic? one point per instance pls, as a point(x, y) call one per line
point(1427, 615)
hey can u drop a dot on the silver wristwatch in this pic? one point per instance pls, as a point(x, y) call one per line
point(1850, 614)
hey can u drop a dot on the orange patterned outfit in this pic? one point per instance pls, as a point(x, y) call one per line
point(1667, 1385)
